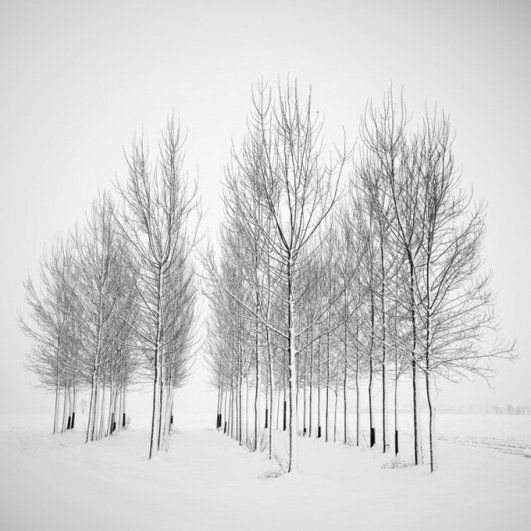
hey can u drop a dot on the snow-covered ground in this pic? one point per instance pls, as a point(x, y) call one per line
point(506, 433)
point(206, 481)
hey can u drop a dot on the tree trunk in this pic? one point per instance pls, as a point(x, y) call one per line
point(257, 382)
point(371, 347)
point(162, 412)
point(124, 408)
point(271, 394)
point(95, 409)
point(357, 387)
point(382, 302)
point(65, 408)
point(318, 388)
point(428, 357)
point(56, 410)
point(156, 360)
point(240, 392)
point(102, 411)
point(304, 392)
point(292, 365)
point(74, 405)
point(345, 381)
point(278, 407)
point(396, 416)
point(90, 412)
point(327, 403)
point(335, 410)
point(413, 356)
point(218, 407)
point(311, 386)
point(247, 441)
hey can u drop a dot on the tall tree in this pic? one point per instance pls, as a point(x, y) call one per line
point(51, 324)
point(297, 190)
point(453, 296)
point(157, 218)
point(100, 256)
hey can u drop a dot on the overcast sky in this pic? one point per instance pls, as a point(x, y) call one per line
point(79, 78)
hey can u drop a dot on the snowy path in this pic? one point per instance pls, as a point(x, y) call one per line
point(205, 481)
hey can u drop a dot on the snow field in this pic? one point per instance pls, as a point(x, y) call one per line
point(206, 481)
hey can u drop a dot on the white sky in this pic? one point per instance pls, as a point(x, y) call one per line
point(78, 78)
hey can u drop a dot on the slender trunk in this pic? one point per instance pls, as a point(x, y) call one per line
point(171, 420)
point(168, 413)
point(257, 382)
point(90, 407)
point(278, 407)
point(397, 368)
point(96, 369)
point(431, 410)
point(95, 409)
point(371, 348)
point(311, 385)
point(357, 386)
point(119, 404)
point(382, 302)
point(110, 416)
point(396, 416)
point(335, 410)
point(65, 407)
point(65, 400)
point(168, 408)
point(413, 356)
point(345, 382)
point(293, 455)
point(225, 417)
point(56, 410)
point(70, 405)
point(247, 414)
point(240, 385)
point(270, 363)
point(218, 407)
point(162, 412)
point(271, 394)
point(102, 411)
point(112, 403)
point(304, 408)
point(285, 412)
point(318, 388)
point(124, 407)
point(74, 404)
point(428, 357)
point(271, 405)
point(156, 361)
point(229, 411)
point(234, 411)
point(116, 410)
point(327, 404)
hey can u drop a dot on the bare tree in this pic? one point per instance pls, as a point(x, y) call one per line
point(435, 230)
point(453, 296)
point(99, 263)
point(156, 221)
point(383, 133)
point(297, 190)
point(51, 324)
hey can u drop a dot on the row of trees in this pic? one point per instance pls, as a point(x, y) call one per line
point(116, 298)
point(321, 288)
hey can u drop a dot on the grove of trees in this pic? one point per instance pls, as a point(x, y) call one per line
point(340, 277)
point(326, 284)
point(117, 297)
